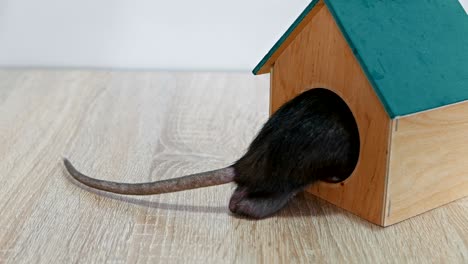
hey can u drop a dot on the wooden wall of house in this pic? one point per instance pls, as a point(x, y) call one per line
point(319, 56)
point(428, 162)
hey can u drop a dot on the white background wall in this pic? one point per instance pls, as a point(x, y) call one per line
point(142, 34)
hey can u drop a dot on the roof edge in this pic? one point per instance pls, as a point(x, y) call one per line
point(284, 37)
point(361, 62)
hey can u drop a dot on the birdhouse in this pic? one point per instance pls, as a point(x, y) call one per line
point(402, 69)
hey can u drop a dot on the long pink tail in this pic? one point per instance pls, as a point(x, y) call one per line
point(193, 181)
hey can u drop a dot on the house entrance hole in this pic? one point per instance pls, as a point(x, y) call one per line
point(348, 150)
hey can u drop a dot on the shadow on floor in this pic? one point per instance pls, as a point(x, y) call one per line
point(302, 205)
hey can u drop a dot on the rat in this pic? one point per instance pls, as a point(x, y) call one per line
point(313, 137)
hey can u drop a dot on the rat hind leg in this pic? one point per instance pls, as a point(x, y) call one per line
point(258, 206)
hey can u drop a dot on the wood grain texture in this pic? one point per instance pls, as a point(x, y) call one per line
point(428, 161)
point(320, 57)
point(139, 126)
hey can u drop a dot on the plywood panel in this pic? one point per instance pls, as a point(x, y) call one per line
point(429, 161)
point(320, 57)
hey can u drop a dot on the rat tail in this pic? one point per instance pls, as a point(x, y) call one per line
point(193, 181)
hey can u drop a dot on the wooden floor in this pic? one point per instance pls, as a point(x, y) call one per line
point(145, 126)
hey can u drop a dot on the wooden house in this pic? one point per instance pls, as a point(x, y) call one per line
point(402, 68)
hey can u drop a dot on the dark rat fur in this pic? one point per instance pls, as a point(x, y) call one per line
point(310, 138)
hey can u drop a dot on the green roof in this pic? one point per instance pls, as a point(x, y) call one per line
point(414, 53)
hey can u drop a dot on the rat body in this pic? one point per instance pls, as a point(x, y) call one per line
point(310, 138)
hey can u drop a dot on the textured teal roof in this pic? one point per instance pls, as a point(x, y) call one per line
point(414, 53)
